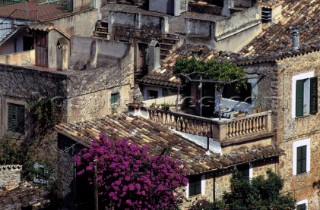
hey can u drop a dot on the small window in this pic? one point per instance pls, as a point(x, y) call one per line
point(194, 185)
point(152, 94)
point(16, 118)
point(244, 170)
point(115, 97)
point(306, 96)
point(301, 159)
point(301, 156)
point(302, 205)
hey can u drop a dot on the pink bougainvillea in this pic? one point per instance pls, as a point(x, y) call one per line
point(128, 177)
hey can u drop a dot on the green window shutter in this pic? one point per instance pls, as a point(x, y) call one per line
point(11, 117)
point(302, 206)
point(115, 98)
point(301, 159)
point(20, 119)
point(313, 95)
point(299, 98)
point(16, 118)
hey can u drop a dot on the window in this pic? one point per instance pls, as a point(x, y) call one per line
point(196, 186)
point(16, 120)
point(302, 205)
point(245, 170)
point(305, 94)
point(301, 156)
point(301, 159)
point(115, 97)
point(152, 94)
point(242, 93)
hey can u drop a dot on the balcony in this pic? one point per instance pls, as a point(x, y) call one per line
point(223, 130)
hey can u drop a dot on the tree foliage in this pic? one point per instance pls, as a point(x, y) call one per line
point(130, 178)
point(220, 72)
point(259, 193)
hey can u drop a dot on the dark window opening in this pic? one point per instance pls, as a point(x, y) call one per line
point(16, 118)
point(302, 206)
point(244, 170)
point(242, 93)
point(152, 94)
point(142, 56)
point(27, 43)
point(194, 185)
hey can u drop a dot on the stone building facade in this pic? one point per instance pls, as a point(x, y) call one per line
point(87, 93)
point(294, 131)
point(10, 176)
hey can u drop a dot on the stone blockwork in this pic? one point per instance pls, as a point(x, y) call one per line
point(218, 182)
point(292, 129)
point(10, 176)
point(85, 93)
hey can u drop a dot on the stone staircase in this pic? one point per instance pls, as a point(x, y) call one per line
point(168, 44)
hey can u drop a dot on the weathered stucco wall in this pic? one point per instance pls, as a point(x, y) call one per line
point(100, 52)
point(163, 6)
point(19, 59)
point(89, 91)
point(292, 129)
point(81, 23)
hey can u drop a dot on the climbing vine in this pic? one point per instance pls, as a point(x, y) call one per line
point(45, 115)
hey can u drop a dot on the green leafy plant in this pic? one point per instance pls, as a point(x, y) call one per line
point(45, 114)
point(259, 193)
point(12, 152)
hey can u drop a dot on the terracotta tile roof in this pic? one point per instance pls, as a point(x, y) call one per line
point(145, 132)
point(302, 14)
point(43, 12)
point(165, 76)
point(270, 3)
point(25, 195)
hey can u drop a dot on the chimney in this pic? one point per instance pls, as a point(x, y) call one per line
point(137, 109)
point(295, 39)
point(154, 55)
point(227, 5)
point(93, 54)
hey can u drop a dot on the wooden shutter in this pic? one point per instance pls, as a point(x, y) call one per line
point(11, 117)
point(313, 95)
point(16, 118)
point(301, 159)
point(299, 98)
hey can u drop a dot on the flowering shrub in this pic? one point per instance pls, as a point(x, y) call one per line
point(128, 177)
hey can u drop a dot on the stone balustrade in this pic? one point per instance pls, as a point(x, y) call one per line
point(222, 130)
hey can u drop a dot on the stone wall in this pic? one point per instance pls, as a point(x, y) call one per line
point(218, 181)
point(10, 176)
point(292, 129)
point(89, 91)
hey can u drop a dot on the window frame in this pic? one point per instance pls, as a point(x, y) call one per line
point(111, 97)
point(250, 170)
point(16, 107)
point(305, 201)
point(304, 76)
point(296, 145)
point(202, 187)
